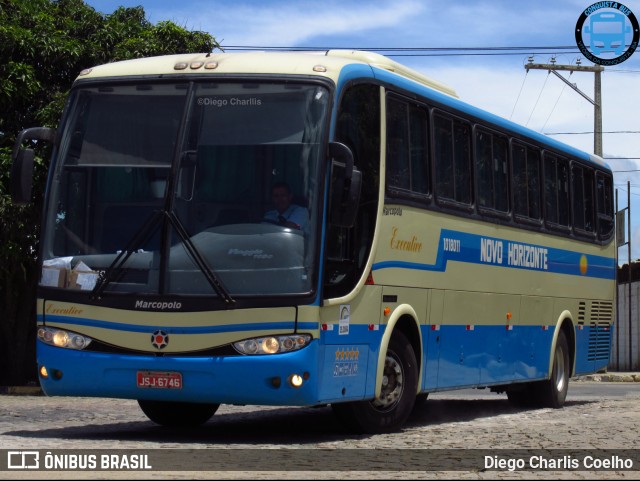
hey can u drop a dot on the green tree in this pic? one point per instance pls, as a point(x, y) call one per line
point(44, 44)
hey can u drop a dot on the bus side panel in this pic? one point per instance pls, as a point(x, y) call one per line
point(593, 348)
point(344, 371)
point(350, 340)
point(431, 338)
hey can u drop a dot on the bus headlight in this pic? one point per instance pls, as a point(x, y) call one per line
point(272, 344)
point(62, 338)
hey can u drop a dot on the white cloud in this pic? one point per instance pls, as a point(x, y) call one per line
point(292, 23)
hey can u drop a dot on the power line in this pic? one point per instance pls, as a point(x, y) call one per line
point(431, 51)
point(519, 93)
point(398, 49)
point(537, 100)
point(420, 51)
point(553, 109)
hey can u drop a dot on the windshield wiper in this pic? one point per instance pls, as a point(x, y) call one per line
point(139, 239)
point(200, 261)
point(115, 269)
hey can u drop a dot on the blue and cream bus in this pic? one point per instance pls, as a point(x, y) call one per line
point(441, 247)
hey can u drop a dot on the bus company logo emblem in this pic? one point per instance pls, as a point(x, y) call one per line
point(159, 339)
point(607, 33)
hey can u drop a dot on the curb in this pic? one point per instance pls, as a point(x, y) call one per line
point(610, 377)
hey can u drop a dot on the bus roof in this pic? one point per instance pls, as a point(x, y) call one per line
point(327, 64)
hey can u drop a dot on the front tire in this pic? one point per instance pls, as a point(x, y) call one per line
point(177, 414)
point(391, 409)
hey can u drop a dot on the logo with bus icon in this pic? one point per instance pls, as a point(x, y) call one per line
point(607, 33)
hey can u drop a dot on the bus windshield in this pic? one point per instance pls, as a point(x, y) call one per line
point(201, 188)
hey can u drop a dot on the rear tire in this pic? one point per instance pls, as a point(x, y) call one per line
point(553, 392)
point(177, 414)
point(388, 412)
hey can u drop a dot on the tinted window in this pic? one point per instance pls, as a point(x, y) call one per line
point(491, 170)
point(407, 161)
point(452, 150)
point(526, 181)
point(556, 190)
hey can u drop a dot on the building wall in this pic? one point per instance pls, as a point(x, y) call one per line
point(625, 353)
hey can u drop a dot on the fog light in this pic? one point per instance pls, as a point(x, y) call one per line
point(295, 380)
point(43, 372)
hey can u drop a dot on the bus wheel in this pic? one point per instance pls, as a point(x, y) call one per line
point(399, 386)
point(553, 392)
point(178, 414)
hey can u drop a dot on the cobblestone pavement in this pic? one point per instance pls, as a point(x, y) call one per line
point(487, 422)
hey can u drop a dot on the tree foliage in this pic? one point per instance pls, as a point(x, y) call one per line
point(44, 44)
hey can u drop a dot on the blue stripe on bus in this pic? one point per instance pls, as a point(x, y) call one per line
point(478, 249)
point(274, 326)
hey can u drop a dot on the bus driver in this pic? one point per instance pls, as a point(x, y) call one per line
point(285, 213)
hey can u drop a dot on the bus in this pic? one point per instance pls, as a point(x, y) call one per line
point(441, 246)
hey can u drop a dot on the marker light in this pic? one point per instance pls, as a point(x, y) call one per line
point(43, 372)
point(62, 338)
point(272, 344)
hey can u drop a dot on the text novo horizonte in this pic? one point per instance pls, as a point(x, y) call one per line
point(493, 251)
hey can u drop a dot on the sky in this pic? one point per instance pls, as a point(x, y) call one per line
point(494, 79)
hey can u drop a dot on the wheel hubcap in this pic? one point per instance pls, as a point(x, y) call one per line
point(560, 371)
point(392, 384)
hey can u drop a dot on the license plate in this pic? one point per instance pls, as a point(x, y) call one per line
point(159, 380)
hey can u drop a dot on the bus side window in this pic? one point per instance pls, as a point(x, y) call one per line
point(491, 171)
point(582, 183)
point(452, 157)
point(526, 182)
point(605, 205)
point(556, 190)
point(407, 151)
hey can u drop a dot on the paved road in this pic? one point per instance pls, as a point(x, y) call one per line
point(597, 416)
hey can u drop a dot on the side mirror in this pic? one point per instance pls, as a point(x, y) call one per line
point(23, 161)
point(346, 183)
point(22, 176)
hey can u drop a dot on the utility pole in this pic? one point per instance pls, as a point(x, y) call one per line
point(597, 102)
